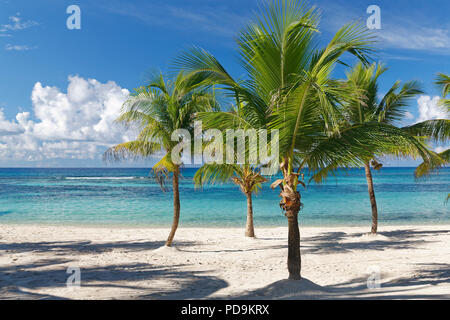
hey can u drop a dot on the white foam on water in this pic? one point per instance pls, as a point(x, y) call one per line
point(100, 178)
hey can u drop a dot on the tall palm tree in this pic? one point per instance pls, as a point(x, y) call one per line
point(157, 110)
point(290, 77)
point(248, 178)
point(368, 107)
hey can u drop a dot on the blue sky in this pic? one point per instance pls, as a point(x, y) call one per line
point(53, 78)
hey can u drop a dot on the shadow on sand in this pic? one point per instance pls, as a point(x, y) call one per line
point(19, 281)
point(334, 242)
point(428, 275)
point(67, 247)
point(137, 280)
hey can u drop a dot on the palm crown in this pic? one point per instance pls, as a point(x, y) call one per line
point(157, 110)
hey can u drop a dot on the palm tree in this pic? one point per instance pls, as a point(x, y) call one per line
point(157, 110)
point(249, 115)
point(248, 178)
point(290, 77)
point(369, 108)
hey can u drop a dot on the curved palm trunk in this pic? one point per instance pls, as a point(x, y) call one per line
point(373, 201)
point(176, 206)
point(249, 228)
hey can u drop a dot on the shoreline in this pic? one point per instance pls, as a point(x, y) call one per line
point(215, 227)
point(132, 263)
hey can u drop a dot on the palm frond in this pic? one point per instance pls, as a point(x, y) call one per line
point(214, 173)
point(358, 144)
point(443, 82)
point(159, 109)
point(278, 44)
point(392, 108)
point(434, 130)
point(425, 168)
point(131, 150)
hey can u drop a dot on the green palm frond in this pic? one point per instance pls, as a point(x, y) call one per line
point(278, 45)
point(392, 108)
point(364, 83)
point(360, 143)
point(425, 168)
point(198, 62)
point(248, 178)
point(157, 110)
point(443, 82)
point(435, 130)
point(214, 173)
point(353, 38)
point(132, 149)
point(165, 164)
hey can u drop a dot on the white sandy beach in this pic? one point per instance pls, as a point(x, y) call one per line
point(207, 263)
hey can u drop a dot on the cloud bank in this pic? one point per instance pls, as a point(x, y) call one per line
point(77, 124)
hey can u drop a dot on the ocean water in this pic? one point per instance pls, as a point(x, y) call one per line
point(131, 197)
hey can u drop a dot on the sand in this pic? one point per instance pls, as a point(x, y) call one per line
point(205, 263)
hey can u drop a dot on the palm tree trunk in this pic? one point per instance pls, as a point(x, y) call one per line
point(373, 201)
point(294, 259)
point(176, 206)
point(249, 229)
point(291, 204)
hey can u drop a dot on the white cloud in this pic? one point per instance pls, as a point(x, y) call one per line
point(8, 127)
point(16, 23)
point(430, 109)
point(409, 115)
point(10, 47)
point(414, 37)
point(207, 18)
point(440, 149)
point(414, 30)
point(78, 124)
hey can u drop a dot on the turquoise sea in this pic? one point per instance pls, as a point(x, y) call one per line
point(131, 197)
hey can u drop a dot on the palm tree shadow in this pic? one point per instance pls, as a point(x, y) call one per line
point(334, 242)
point(428, 275)
point(237, 250)
point(23, 281)
point(86, 247)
